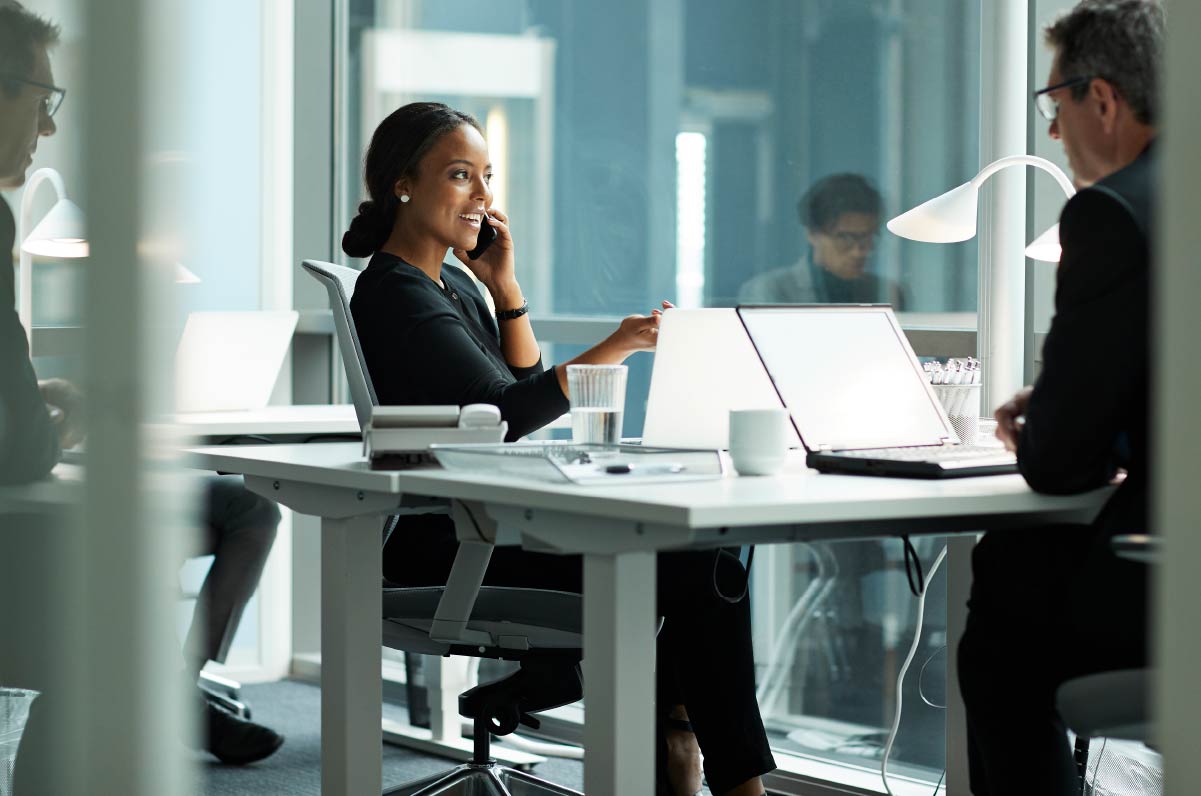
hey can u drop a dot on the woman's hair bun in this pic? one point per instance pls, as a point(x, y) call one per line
point(368, 231)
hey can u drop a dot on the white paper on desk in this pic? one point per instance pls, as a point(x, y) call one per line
point(565, 462)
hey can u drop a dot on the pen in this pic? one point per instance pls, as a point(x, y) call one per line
point(644, 469)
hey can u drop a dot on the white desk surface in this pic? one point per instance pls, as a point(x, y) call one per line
point(311, 419)
point(798, 494)
point(63, 488)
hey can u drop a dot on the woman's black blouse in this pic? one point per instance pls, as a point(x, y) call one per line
point(427, 345)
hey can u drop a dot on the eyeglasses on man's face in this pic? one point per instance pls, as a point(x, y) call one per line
point(846, 241)
point(51, 101)
point(1047, 105)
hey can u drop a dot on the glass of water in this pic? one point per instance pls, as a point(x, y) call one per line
point(598, 401)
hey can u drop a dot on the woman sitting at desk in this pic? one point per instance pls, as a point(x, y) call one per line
point(428, 338)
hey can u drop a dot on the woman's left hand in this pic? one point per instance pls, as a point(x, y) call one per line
point(495, 267)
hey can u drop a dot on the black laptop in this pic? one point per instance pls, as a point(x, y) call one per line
point(858, 396)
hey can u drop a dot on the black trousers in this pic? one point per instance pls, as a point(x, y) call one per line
point(705, 659)
point(238, 531)
point(1046, 605)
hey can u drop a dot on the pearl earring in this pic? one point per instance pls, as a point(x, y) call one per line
point(404, 197)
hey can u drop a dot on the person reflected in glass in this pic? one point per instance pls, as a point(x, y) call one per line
point(429, 337)
point(841, 217)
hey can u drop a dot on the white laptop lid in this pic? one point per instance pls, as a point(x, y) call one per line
point(704, 366)
point(848, 376)
point(230, 360)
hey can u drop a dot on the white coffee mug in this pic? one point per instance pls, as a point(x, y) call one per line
point(758, 440)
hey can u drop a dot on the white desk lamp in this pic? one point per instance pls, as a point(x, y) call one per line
point(60, 234)
point(952, 217)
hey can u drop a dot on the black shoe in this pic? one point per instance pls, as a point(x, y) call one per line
point(236, 741)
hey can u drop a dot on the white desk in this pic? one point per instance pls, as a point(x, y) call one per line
point(62, 490)
point(617, 529)
point(272, 421)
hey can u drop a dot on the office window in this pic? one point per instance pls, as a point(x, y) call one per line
point(658, 150)
point(650, 150)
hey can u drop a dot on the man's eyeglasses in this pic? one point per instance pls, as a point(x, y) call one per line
point(51, 102)
point(1047, 105)
point(849, 240)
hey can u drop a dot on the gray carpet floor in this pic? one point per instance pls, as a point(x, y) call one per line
point(294, 709)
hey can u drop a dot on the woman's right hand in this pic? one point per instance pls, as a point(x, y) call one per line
point(639, 332)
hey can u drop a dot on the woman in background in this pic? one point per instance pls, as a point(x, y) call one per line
point(428, 337)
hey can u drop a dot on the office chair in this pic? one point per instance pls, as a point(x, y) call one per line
point(540, 629)
point(1113, 704)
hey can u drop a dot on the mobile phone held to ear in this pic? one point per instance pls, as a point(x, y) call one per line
point(487, 235)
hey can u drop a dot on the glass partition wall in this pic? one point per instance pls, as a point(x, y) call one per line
point(659, 149)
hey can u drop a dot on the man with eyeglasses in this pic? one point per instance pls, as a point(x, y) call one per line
point(1051, 604)
point(30, 435)
point(841, 217)
point(40, 418)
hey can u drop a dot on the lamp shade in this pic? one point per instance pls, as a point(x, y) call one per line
point(1046, 246)
point(60, 233)
point(948, 218)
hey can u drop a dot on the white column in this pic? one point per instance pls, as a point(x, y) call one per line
point(1177, 432)
point(127, 659)
point(1001, 342)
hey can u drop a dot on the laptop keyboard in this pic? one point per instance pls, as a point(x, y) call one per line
point(931, 453)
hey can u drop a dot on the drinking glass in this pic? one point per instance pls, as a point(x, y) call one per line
point(598, 400)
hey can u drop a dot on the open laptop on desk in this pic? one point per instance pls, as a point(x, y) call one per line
point(858, 396)
point(229, 361)
point(704, 366)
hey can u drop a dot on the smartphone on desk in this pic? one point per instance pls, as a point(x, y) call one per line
point(487, 235)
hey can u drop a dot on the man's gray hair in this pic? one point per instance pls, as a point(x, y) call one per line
point(21, 31)
point(1120, 41)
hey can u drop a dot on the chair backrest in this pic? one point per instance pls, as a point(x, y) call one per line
point(339, 282)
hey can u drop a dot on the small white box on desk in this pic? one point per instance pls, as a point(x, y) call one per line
point(400, 436)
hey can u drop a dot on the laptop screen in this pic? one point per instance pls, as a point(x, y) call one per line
point(847, 375)
point(230, 360)
point(704, 367)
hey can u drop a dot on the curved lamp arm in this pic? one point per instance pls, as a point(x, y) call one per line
point(1026, 160)
point(25, 296)
point(951, 217)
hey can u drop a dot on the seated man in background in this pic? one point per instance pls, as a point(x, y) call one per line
point(1050, 604)
point(38, 419)
point(841, 217)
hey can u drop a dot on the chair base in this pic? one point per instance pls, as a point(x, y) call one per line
point(488, 779)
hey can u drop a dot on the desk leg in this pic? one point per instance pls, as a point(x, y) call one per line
point(351, 639)
point(959, 584)
point(619, 673)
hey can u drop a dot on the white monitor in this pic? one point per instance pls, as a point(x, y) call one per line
point(230, 360)
point(848, 376)
point(704, 366)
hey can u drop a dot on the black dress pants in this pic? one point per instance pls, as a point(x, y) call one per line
point(705, 659)
point(1046, 605)
point(238, 531)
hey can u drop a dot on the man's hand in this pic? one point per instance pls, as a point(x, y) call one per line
point(65, 403)
point(1010, 416)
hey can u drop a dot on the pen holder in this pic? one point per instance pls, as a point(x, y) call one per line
point(962, 405)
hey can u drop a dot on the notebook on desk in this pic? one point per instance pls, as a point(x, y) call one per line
point(704, 366)
point(858, 396)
